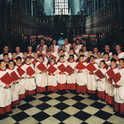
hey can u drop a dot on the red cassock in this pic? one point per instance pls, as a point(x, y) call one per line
point(99, 74)
point(61, 68)
point(69, 69)
point(14, 76)
point(41, 67)
point(7, 79)
point(80, 66)
point(30, 71)
point(20, 71)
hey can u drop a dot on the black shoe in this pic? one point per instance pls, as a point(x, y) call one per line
point(13, 107)
point(9, 112)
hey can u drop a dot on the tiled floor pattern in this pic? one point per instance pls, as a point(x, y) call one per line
point(62, 107)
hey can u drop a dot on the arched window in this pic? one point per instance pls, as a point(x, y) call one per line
point(61, 7)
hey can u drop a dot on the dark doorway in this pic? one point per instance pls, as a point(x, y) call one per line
point(62, 29)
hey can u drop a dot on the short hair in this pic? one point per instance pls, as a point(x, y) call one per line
point(121, 59)
point(118, 44)
point(40, 46)
point(98, 52)
point(5, 54)
point(18, 58)
point(81, 56)
point(52, 58)
point(71, 56)
point(30, 46)
point(47, 51)
point(25, 51)
point(106, 53)
point(61, 56)
point(35, 51)
point(92, 56)
point(107, 45)
point(5, 45)
point(115, 53)
point(11, 61)
point(102, 61)
point(27, 58)
point(40, 56)
point(81, 50)
point(63, 45)
point(84, 46)
point(1, 61)
point(71, 49)
point(113, 60)
point(60, 50)
point(14, 52)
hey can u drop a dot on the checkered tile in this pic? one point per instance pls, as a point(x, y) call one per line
point(62, 107)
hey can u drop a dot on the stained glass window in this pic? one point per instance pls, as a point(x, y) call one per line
point(61, 7)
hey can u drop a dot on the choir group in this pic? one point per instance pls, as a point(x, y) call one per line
point(72, 67)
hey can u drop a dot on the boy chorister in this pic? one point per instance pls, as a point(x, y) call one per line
point(109, 86)
point(118, 50)
point(107, 49)
point(5, 49)
point(81, 77)
point(101, 80)
point(91, 81)
point(70, 69)
point(5, 91)
point(25, 54)
point(30, 85)
point(76, 50)
point(14, 87)
point(78, 45)
point(115, 56)
point(40, 51)
point(81, 53)
point(56, 47)
point(67, 45)
point(95, 50)
point(53, 53)
point(18, 52)
point(48, 57)
point(6, 59)
point(98, 58)
point(61, 53)
point(30, 53)
point(34, 59)
point(119, 88)
point(61, 73)
point(64, 50)
point(106, 59)
point(22, 73)
point(52, 75)
point(84, 48)
point(14, 56)
point(41, 77)
point(71, 52)
point(87, 60)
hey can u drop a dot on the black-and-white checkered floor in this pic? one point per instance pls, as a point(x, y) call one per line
point(62, 107)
